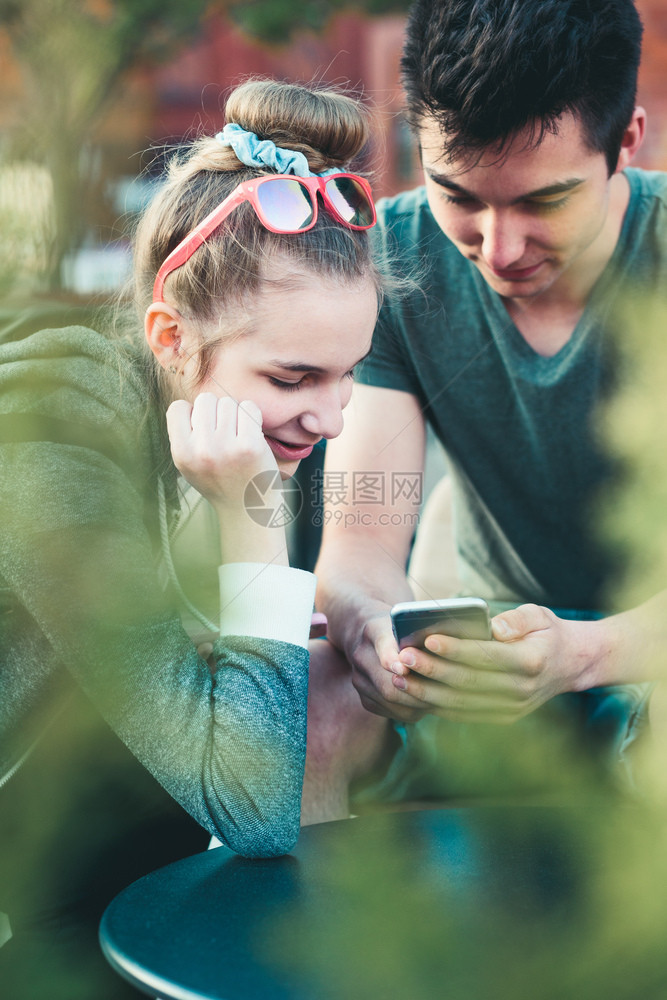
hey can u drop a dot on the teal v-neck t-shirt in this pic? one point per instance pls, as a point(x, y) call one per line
point(519, 429)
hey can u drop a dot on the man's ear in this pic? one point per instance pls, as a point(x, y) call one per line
point(632, 139)
point(163, 326)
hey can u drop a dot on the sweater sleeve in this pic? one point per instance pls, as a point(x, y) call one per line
point(76, 551)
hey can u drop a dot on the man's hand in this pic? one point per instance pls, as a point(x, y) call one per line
point(372, 662)
point(534, 657)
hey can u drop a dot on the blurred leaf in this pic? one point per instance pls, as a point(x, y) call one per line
point(631, 515)
point(277, 20)
point(507, 902)
point(71, 57)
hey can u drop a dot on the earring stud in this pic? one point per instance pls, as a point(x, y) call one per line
point(172, 369)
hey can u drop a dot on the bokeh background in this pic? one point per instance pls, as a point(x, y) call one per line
point(92, 94)
point(93, 91)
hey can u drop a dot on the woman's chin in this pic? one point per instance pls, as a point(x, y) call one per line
point(287, 469)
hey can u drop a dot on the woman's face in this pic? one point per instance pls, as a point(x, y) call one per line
point(296, 361)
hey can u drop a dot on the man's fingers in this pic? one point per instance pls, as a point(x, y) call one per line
point(480, 653)
point(504, 675)
point(463, 704)
point(386, 649)
point(514, 624)
point(386, 699)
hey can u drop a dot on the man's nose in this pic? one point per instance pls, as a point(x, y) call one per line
point(503, 239)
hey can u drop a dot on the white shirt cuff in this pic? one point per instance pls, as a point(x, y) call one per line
point(266, 602)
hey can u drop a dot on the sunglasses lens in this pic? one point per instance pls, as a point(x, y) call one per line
point(285, 204)
point(350, 201)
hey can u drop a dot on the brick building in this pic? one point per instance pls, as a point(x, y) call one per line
point(162, 104)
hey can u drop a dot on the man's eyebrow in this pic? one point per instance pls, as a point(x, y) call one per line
point(444, 181)
point(560, 188)
point(297, 366)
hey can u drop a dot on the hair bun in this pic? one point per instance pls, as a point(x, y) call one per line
point(328, 127)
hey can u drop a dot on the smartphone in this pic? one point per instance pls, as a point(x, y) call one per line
point(461, 617)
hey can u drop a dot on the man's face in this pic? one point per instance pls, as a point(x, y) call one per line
point(526, 220)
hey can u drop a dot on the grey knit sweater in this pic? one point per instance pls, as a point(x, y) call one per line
point(81, 605)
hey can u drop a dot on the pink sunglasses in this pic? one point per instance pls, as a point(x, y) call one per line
point(283, 204)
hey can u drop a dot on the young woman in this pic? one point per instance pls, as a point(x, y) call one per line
point(257, 296)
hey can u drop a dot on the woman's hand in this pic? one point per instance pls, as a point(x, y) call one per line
point(218, 446)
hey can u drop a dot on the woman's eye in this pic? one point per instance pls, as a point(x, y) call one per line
point(287, 386)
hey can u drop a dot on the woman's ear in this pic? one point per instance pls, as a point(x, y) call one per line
point(163, 326)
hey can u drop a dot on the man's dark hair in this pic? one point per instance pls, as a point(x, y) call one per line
point(487, 69)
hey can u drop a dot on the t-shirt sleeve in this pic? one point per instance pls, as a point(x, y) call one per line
point(390, 363)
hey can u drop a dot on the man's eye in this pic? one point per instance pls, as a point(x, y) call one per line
point(550, 206)
point(457, 199)
point(287, 386)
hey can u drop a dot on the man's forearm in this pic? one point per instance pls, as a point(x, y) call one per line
point(361, 568)
point(358, 580)
point(631, 646)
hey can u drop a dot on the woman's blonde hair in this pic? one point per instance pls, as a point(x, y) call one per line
point(329, 128)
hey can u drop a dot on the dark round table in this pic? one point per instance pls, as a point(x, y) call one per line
point(527, 902)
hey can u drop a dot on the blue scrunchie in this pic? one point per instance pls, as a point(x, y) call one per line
point(260, 153)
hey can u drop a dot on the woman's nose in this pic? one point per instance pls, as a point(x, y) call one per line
point(325, 418)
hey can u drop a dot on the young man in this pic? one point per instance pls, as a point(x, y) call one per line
point(527, 239)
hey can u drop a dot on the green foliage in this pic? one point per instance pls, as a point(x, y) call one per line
point(26, 224)
point(631, 515)
point(276, 21)
point(71, 56)
point(501, 903)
